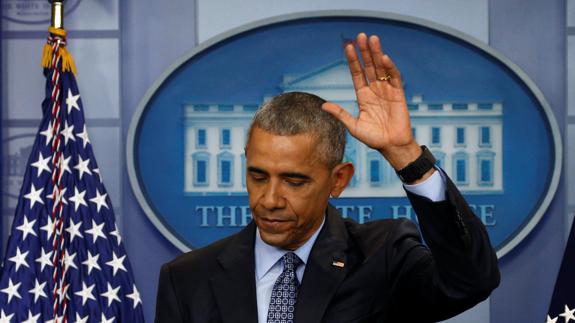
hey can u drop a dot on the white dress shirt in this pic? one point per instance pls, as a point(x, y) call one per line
point(269, 266)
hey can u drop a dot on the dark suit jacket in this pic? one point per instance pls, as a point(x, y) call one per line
point(388, 276)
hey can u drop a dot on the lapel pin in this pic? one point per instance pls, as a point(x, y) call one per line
point(339, 264)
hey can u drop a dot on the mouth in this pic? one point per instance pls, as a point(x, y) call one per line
point(273, 225)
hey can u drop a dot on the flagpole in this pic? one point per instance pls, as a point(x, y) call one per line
point(57, 14)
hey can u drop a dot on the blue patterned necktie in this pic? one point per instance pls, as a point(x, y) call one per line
point(284, 293)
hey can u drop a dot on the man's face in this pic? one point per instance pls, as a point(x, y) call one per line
point(288, 187)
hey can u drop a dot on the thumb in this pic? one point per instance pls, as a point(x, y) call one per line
point(341, 114)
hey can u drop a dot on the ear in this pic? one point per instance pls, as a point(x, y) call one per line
point(341, 175)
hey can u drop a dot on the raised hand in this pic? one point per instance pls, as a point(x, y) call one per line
point(383, 119)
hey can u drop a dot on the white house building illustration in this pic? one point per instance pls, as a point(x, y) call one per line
point(465, 138)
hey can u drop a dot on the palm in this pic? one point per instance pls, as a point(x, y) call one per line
point(383, 119)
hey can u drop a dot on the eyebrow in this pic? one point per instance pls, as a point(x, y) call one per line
point(252, 169)
point(284, 174)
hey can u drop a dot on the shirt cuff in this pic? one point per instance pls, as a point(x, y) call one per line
point(433, 187)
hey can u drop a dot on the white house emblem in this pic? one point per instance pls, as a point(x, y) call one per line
point(468, 104)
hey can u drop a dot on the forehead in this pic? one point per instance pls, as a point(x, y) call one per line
point(282, 153)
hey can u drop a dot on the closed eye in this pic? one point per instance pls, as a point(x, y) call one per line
point(296, 182)
point(257, 174)
point(258, 177)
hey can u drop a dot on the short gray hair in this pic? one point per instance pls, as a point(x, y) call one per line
point(295, 113)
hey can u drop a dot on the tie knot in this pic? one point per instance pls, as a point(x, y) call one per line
point(291, 261)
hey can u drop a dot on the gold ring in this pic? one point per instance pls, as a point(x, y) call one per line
point(387, 77)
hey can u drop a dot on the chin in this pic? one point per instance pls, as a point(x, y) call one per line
point(273, 239)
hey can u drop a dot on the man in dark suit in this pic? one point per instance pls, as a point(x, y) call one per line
point(299, 261)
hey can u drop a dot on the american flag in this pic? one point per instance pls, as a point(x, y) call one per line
point(562, 307)
point(65, 261)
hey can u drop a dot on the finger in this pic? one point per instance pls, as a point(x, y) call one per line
point(366, 57)
point(375, 49)
point(341, 114)
point(355, 69)
point(384, 66)
point(392, 71)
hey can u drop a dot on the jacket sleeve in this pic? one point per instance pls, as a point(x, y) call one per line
point(455, 269)
point(167, 304)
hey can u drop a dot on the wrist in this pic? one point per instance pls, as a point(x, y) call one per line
point(419, 169)
point(401, 156)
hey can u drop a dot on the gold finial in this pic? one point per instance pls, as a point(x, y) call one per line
point(58, 14)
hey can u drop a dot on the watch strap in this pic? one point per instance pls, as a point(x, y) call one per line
point(417, 168)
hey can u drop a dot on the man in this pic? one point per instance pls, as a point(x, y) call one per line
point(299, 261)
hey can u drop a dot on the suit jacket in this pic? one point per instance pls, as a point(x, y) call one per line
point(389, 275)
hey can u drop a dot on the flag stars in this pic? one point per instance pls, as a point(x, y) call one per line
point(63, 294)
point(32, 318)
point(19, 259)
point(104, 319)
point(82, 166)
point(551, 320)
point(99, 200)
point(48, 227)
point(112, 294)
point(78, 199)
point(92, 262)
point(96, 231)
point(117, 263)
point(568, 314)
point(116, 234)
point(38, 290)
point(11, 290)
point(69, 260)
point(72, 101)
point(80, 319)
point(68, 210)
point(42, 164)
point(86, 293)
point(65, 165)
point(97, 171)
point(67, 132)
point(27, 228)
point(44, 259)
point(5, 318)
point(59, 195)
point(84, 136)
point(135, 296)
point(34, 196)
point(74, 230)
point(48, 133)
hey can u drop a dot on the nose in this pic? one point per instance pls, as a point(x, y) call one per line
point(273, 196)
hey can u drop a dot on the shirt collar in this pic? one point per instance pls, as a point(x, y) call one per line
point(267, 255)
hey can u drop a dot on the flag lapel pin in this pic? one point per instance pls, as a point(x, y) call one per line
point(337, 263)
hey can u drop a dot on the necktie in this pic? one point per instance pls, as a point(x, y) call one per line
point(284, 293)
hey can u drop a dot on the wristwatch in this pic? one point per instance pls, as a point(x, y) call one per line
point(417, 168)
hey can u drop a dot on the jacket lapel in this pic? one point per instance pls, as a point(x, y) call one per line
point(238, 275)
point(326, 268)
